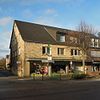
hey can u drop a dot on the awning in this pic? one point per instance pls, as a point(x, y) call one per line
point(43, 60)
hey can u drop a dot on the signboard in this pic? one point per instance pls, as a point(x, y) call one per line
point(49, 58)
point(45, 61)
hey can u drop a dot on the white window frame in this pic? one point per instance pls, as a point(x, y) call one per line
point(92, 42)
point(46, 50)
point(77, 52)
point(62, 38)
point(96, 43)
point(59, 52)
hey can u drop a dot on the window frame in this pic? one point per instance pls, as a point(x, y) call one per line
point(75, 52)
point(60, 51)
point(46, 50)
point(61, 37)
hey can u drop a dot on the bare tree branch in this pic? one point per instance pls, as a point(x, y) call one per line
point(87, 32)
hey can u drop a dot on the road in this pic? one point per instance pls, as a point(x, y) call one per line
point(15, 89)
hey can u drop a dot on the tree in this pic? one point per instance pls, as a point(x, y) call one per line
point(2, 63)
point(85, 35)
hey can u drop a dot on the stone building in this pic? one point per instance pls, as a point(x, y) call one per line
point(34, 46)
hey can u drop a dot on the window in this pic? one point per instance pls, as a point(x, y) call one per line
point(72, 52)
point(94, 42)
point(78, 52)
point(45, 50)
point(75, 52)
point(60, 51)
point(60, 36)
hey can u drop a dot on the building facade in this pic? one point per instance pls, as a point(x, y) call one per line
point(38, 48)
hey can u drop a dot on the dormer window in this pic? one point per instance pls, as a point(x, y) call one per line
point(60, 36)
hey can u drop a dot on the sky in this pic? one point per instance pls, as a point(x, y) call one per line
point(60, 13)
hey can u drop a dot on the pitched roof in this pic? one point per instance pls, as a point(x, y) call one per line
point(32, 32)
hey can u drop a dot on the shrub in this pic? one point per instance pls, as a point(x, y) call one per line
point(78, 76)
point(69, 75)
point(55, 76)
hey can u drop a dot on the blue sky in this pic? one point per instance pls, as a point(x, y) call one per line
point(60, 13)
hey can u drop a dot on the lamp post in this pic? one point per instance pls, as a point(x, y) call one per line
point(49, 66)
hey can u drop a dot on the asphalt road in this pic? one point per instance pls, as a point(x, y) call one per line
point(14, 89)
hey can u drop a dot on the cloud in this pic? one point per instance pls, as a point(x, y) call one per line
point(45, 20)
point(50, 11)
point(3, 53)
point(7, 1)
point(97, 28)
point(5, 21)
point(5, 34)
point(59, 0)
point(4, 41)
point(27, 13)
point(4, 50)
point(31, 2)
